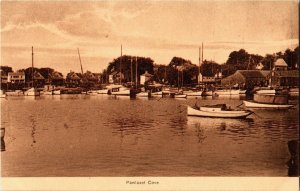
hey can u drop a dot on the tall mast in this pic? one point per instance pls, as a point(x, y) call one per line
point(80, 61)
point(202, 58)
point(165, 75)
point(131, 72)
point(121, 66)
point(136, 70)
point(32, 78)
point(248, 62)
point(202, 53)
point(199, 73)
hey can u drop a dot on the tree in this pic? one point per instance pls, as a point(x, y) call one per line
point(210, 68)
point(5, 70)
point(46, 72)
point(241, 60)
point(268, 61)
point(181, 71)
point(28, 73)
point(291, 57)
point(143, 65)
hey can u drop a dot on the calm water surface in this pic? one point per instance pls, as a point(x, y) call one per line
point(84, 135)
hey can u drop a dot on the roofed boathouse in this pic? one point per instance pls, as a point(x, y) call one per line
point(246, 78)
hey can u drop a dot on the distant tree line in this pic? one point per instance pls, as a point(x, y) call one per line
point(180, 71)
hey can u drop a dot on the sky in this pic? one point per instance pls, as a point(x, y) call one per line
point(156, 29)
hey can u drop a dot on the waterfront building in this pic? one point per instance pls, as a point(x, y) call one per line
point(56, 79)
point(284, 78)
point(246, 78)
point(115, 76)
point(280, 64)
point(73, 79)
point(4, 77)
point(39, 80)
point(16, 77)
point(145, 78)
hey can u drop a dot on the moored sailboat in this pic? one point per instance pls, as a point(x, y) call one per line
point(33, 90)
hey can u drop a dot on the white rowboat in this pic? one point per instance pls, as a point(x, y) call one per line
point(218, 113)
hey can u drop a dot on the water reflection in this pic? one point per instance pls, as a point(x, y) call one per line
point(116, 136)
point(293, 163)
point(33, 126)
point(236, 129)
point(2, 139)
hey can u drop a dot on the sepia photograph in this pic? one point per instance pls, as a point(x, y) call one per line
point(149, 95)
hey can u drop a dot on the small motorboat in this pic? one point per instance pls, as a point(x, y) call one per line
point(56, 92)
point(193, 93)
point(227, 92)
point(180, 96)
point(46, 92)
point(207, 93)
point(268, 101)
point(14, 93)
point(143, 94)
point(252, 104)
point(103, 91)
point(217, 111)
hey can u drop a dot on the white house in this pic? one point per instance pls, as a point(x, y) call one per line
point(16, 77)
point(145, 77)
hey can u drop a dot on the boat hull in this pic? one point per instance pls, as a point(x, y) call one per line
point(56, 92)
point(218, 114)
point(14, 93)
point(270, 92)
point(207, 93)
point(121, 93)
point(227, 92)
point(104, 91)
point(180, 96)
point(270, 99)
point(143, 94)
point(251, 104)
point(32, 92)
point(198, 93)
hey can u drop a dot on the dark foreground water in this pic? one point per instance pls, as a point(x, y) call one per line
point(84, 135)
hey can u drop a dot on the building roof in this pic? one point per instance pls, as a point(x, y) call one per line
point(280, 62)
point(251, 73)
point(56, 76)
point(287, 73)
point(73, 76)
point(16, 73)
point(147, 74)
point(265, 73)
point(38, 76)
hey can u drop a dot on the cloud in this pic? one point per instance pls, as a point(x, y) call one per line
point(86, 24)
